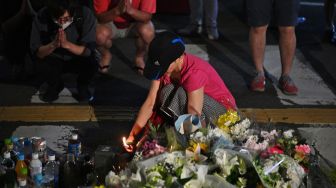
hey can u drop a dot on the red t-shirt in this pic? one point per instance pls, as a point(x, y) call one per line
point(124, 20)
point(197, 73)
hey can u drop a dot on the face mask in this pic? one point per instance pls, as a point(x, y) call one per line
point(64, 25)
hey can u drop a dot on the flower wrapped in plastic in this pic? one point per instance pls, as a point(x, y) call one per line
point(279, 170)
point(295, 146)
point(124, 178)
point(235, 167)
point(199, 138)
point(228, 119)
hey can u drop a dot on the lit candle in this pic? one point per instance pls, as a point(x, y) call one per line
point(124, 141)
point(197, 152)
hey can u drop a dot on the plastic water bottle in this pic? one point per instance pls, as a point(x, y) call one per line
point(9, 166)
point(21, 169)
point(74, 145)
point(18, 147)
point(38, 180)
point(35, 166)
point(70, 173)
point(23, 183)
point(28, 150)
point(9, 148)
point(51, 171)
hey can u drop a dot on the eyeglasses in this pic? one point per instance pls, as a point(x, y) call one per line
point(62, 20)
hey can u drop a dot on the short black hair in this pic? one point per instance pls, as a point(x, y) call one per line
point(57, 8)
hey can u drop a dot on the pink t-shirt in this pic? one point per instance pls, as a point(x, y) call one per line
point(197, 73)
point(124, 20)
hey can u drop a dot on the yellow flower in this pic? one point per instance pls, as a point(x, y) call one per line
point(225, 128)
point(228, 119)
point(204, 147)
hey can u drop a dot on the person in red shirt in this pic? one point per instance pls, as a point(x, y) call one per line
point(181, 83)
point(119, 18)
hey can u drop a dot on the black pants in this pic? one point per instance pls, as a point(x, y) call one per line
point(52, 69)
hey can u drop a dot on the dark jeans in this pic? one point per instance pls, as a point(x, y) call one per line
point(52, 69)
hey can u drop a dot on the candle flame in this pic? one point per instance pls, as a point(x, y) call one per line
point(124, 141)
point(197, 152)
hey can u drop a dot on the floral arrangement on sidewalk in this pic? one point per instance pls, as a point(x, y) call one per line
point(231, 152)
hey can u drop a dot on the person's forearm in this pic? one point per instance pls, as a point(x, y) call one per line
point(75, 49)
point(193, 110)
point(144, 114)
point(107, 16)
point(139, 15)
point(45, 50)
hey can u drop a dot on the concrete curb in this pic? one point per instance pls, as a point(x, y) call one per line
point(86, 113)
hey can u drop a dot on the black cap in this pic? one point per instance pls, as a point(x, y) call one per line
point(164, 49)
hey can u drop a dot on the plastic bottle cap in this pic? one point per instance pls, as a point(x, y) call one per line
point(35, 156)
point(15, 139)
point(27, 142)
point(74, 137)
point(7, 141)
point(51, 157)
point(21, 157)
point(7, 155)
point(24, 171)
point(22, 182)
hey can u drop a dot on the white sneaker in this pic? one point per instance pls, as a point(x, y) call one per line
point(212, 33)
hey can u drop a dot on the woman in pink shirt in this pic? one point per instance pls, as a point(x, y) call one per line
point(181, 83)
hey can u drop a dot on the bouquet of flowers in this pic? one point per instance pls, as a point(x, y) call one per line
point(295, 147)
point(236, 167)
point(227, 120)
point(279, 170)
point(216, 156)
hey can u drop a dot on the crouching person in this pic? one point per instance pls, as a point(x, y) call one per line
point(181, 84)
point(63, 40)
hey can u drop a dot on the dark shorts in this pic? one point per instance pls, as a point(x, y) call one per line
point(260, 12)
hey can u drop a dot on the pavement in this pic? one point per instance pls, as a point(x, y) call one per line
point(119, 95)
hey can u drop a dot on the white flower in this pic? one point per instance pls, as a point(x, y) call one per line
point(155, 178)
point(295, 173)
point(175, 158)
point(193, 184)
point(270, 136)
point(225, 161)
point(198, 137)
point(240, 130)
point(112, 179)
point(288, 134)
point(252, 143)
point(136, 176)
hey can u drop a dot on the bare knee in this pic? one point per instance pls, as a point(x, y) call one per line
point(287, 31)
point(103, 35)
point(146, 31)
point(258, 30)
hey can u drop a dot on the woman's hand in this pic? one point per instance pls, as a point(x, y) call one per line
point(128, 7)
point(129, 144)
